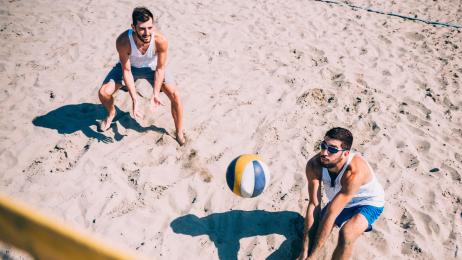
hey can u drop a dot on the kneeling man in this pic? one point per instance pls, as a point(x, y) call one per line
point(356, 198)
point(143, 54)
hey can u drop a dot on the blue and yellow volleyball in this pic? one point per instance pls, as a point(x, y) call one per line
point(247, 175)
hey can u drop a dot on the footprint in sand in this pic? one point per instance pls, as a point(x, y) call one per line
point(64, 156)
point(409, 245)
point(317, 97)
point(193, 163)
point(151, 190)
point(379, 241)
point(133, 175)
point(35, 168)
point(431, 227)
point(455, 176)
point(415, 36)
point(412, 249)
point(409, 160)
point(422, 146)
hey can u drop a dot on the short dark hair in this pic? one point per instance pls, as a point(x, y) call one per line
point(343, 135)
point(141, 14)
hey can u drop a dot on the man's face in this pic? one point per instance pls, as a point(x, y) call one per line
point(144, 30)
point(329, 159)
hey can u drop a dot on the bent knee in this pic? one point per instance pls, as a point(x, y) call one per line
point(347, 236)
point(106, 90)
point(174, 96)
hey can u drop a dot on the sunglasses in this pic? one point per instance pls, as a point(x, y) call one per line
point(330, 149)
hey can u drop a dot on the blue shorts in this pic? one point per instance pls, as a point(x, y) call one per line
point(371, 213)
point(147, 73)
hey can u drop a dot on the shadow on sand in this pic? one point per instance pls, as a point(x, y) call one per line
point(81, 117)
point(226, 229)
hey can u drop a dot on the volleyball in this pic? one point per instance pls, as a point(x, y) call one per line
point(247, 175)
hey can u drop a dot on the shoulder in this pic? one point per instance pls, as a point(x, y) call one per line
point(359, 164)
point(123, 42)
point(161, 41)
point(313, 168)
point(357, 172)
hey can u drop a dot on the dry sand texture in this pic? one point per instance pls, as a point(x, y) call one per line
point(266, 77)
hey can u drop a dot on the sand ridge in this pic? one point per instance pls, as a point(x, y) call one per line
point(260, 77)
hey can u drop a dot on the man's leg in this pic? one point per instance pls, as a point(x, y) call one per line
point(177, 110)
point(105, 95)
point(350, 231)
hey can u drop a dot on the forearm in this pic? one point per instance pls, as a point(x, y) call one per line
point(130, 83)
point(159, 79)
point(325, 227)
point(311, 223)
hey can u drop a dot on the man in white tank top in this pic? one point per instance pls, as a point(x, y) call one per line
point(143, 54)
point(356, 198)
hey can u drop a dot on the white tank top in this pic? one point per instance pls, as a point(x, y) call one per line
point(370, 193)
point(138, 60)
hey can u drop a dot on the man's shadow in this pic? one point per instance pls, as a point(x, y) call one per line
point(81, 117)
point(226, 229)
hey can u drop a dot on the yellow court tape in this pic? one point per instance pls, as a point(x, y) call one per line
point(44, 238)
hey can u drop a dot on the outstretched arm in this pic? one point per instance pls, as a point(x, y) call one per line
point(351, 183)
point(314, 208)
point(123, 48)
point(161, 48)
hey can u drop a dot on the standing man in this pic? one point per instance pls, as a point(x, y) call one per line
point(356, 198)
point(143, 54)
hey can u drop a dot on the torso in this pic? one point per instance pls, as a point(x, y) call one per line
point(140, 56)
point(370, 192)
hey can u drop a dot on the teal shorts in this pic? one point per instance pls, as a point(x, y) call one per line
point(371, 213)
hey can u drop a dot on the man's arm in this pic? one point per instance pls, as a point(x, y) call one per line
point(314, 207)
point(351, 182)
point(161, 48)
point(123, 48)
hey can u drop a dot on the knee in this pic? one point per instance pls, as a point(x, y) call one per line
point(103, 92)
point(346, 237)
point(175, 97)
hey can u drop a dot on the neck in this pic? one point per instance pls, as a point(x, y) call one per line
point(336, 169)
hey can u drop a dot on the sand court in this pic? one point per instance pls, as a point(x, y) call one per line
point(262, 77)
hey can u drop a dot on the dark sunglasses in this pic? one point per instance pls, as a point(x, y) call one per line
point(330, 149)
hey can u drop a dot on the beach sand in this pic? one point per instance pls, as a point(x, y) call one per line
point(265, 77)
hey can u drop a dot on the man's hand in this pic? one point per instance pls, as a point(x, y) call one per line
point(312, 257)
point(155, 102)
point(303, 255)
point(136, 114)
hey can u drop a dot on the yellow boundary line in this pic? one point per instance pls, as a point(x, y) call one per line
point(44, 238)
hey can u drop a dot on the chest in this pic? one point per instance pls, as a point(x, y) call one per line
point(140, 49)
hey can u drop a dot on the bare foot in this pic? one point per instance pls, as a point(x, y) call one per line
point(106, 123)
point(180, 138)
